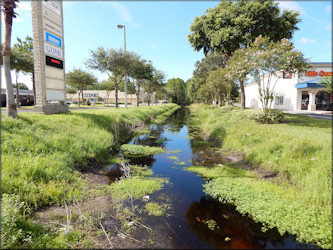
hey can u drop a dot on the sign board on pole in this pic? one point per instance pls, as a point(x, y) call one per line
point(54, 62)
point(52, 39)
point(52, 5)
point(53, 51)
point(48, 39)
point(48, 25)
point(50, 15)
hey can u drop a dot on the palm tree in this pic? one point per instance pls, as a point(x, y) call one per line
point(8, 7)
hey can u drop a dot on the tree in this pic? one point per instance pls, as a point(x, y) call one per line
point(192, 89)
point(140, 72)
point(212, 61)
point(221, 84)
point(21, 85)
point(79, 79)
point(326, 81)
point(8, 7)
point(269, 60)
point(25, 59)
point(232, 25)
point(176, 90)
point(108, 86)
point(154, 84)
point(113, 62)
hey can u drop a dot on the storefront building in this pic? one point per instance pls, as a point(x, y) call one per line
point(104, 96)
point(293, 92)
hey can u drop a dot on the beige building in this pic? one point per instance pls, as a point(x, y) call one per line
point(109, 97)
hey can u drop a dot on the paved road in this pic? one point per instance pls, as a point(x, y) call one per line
point(326, 115)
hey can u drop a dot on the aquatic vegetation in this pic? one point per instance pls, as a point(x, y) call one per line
point(138, 187)
point(298, 152)
point(42, 157)
point(139, 150)
point(173, 151)
point(174, 158)
point(155, 209)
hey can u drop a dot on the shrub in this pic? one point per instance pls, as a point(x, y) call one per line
point(268, 116)
point(227, 108)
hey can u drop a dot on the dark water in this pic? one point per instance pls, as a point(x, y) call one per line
point(191, 209)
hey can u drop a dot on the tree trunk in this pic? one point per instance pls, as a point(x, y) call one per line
point(17, 91)
point(116, 94)
point(137, 99)
point(241, 84)
point(8, 7)
point(34, 86)
point(79, 96)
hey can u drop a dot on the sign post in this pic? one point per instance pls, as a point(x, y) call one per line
point(49, 59)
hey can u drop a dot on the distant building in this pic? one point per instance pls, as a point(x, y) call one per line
point(26, 97)
point(293, 92)
point(109, 97)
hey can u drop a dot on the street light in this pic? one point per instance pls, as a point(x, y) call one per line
point(125, 83)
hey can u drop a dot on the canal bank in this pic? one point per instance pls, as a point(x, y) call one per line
point(283, 177)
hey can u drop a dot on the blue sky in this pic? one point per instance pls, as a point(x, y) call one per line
point(157, 30)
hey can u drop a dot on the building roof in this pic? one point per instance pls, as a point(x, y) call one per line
point(314, 83)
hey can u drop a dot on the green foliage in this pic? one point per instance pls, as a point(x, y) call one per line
point(21, 86)
point(267, 60)
point(268, 116)
point(235, 24)
point(11, 218)
point(79, 79)
point(135, 187)
point(139, 150)
point(156, 209)
point(326, 81)
point(176, 90)
point(298, 151)
point(41, 156)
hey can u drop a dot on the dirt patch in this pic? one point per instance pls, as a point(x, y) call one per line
point(264, 174)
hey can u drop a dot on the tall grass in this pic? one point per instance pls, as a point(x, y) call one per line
point(298, 151)
point(42, 155)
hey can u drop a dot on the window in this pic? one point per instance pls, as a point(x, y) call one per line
point(286, 75)
point(278, 100)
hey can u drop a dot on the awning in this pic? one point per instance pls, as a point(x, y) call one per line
point(315, 83)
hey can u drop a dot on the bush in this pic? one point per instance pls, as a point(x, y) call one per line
point(268, 116)
point(227, 108)
point(11, 219)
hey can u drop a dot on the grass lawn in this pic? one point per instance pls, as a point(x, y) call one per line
point(42, 156)
point(297, 152)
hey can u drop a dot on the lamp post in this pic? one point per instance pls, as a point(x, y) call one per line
point(125, 83)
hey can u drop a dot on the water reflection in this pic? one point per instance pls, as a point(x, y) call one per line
point(198, 221)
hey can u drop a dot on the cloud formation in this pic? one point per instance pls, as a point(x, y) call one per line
point(291, 5)
point(304, 40)
point(124, 13)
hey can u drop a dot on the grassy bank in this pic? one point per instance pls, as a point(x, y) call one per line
point(296, 154)
point(42, 157)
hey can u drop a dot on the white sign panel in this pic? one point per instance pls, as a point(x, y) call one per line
point(55, 95)
point(50, 15)
point(48, 25)
point(52, 5)
point(53, 51)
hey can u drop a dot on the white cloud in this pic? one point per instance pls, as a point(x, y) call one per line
point(290, 5)
point(304, 40)
point(67, 4)
point(26, 79)
point(124, 13)
point(24, 6)
point(328, 7)
point(328, 27)
point(153, 45)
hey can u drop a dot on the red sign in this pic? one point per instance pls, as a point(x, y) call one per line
point(315, 73)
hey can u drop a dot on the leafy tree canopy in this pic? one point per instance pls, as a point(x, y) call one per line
point(80, 79)
point(21, 86)
point(235, 24)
